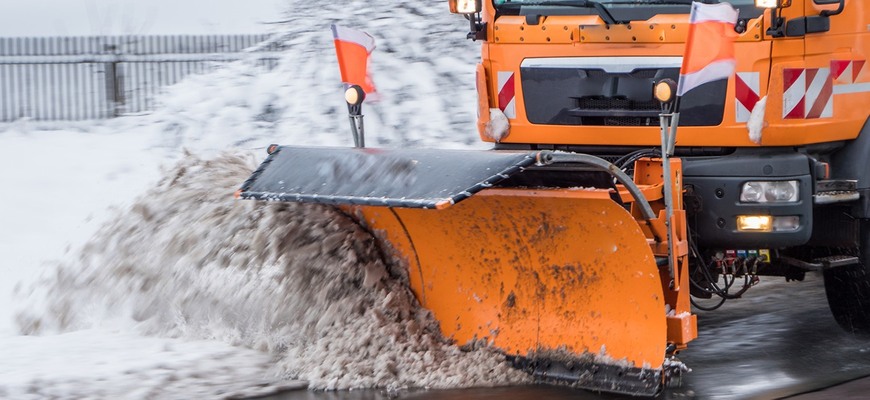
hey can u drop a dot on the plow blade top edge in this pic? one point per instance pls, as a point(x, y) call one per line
point(393, 178)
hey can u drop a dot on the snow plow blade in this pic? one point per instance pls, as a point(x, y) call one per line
point(559, 277)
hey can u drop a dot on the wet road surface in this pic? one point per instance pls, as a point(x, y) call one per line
point(778, 341)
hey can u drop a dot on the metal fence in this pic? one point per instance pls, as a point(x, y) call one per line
point(91, 77)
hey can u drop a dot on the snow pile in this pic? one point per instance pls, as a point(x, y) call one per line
point(423, 68)
point(302, 283)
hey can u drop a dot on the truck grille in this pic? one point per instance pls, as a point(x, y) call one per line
point(570, 95)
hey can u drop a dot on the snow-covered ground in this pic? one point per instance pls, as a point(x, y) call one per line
point(157, 326)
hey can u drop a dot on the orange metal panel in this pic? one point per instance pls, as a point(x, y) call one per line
point(483, 99)
point(555, 29)
point(534, 270)
point(682, 328)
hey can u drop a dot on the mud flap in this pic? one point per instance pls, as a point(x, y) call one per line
point(560, 279)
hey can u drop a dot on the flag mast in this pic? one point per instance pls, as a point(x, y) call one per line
point(709, 56)
point(353, 48)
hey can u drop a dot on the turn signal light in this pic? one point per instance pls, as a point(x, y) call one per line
point(664, 90)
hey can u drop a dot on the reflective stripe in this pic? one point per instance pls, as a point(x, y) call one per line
point(507, 94)
point(853, 88)
point(794, 93)
point(747, 88)
point(808, 93)
point(820, 93)
point(846, 71)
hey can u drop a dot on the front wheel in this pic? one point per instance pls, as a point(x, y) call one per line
point(848, 287)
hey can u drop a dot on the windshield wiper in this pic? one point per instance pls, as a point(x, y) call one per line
point(685, 2)
point(598, 7)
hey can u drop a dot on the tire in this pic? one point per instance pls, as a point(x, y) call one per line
point(848, 288)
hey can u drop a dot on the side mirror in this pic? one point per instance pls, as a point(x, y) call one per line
point(828, 13)
point(466, 7)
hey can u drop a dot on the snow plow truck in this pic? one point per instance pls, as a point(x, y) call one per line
point(578, 244)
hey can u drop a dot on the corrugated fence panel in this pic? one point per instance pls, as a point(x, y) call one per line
point(77, 78)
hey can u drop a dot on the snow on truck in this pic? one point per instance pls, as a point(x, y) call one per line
point(577, 243)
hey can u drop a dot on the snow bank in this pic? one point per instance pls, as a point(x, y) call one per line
point(423, 68)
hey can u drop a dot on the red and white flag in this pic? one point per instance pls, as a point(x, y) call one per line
point(709, 54)
point(353, 48)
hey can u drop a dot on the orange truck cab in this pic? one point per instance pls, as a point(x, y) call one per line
point(774, 159)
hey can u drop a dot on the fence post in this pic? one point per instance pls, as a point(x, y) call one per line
point(114, 83)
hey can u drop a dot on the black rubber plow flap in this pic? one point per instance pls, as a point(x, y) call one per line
point(411, 178)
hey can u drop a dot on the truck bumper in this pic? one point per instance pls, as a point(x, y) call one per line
point(713, 197)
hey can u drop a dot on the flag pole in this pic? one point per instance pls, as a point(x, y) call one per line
point(668, 120)
point(714, 24)
point(354, 96)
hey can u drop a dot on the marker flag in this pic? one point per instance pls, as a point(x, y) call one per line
point(709, 54)
point(353, 48)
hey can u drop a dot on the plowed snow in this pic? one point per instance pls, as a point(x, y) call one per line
point(301, 283)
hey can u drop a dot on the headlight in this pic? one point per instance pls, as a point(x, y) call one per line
point(770, 192)
point(465, 6)
point(767, 3)
point(753, 192)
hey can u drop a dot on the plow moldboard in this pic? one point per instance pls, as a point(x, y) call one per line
point(535, 271)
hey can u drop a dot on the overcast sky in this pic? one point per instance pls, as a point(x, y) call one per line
point(96, 17)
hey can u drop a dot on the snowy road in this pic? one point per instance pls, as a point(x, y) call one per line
point(778, 341)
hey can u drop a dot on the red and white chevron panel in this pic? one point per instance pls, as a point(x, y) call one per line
point(507, 94)
point(747, 87)
point(808, 93)
point(846, 71)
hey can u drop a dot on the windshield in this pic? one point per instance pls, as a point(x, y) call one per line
point(621, 10)
point(620, 2)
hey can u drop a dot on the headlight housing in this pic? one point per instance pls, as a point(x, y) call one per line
point(770, 192)
point(767, 3)
point(465, 6)
point(773, 3)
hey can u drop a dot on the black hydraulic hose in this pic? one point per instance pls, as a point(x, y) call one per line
point(628, 159)
point(546, 157)
point(703, 308)
point(714, 288)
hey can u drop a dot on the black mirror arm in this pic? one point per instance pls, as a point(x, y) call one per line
point(828, 13)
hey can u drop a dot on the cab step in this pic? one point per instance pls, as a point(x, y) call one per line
point(836, 191)
point(821, 263)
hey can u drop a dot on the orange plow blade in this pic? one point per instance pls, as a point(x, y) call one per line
point(545, 275)
point(505, 249)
